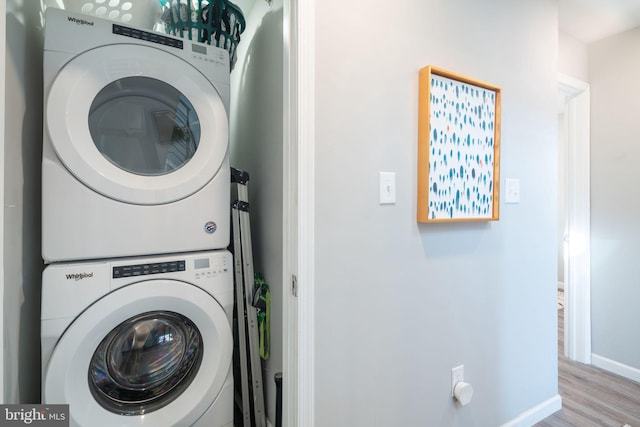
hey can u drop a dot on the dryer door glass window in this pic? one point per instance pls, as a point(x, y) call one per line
point(145, 363)
point(144, 126)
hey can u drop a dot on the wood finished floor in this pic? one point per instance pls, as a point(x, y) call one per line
point(592, 397)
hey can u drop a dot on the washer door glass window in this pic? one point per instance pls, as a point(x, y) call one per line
point(144, 126)
point(145, 363)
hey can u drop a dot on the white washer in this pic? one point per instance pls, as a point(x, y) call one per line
point(135, 142)
point(140, 341)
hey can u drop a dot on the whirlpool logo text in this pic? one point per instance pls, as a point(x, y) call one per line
point(80, 21)
point(79, 276)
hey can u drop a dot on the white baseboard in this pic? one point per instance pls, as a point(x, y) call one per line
point(537, 413)
point(615, 367)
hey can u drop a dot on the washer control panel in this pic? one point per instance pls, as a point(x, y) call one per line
point(194, 267)
point(147, 269)
point(210, 267)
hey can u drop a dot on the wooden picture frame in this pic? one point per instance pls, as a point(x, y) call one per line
point(458, 148)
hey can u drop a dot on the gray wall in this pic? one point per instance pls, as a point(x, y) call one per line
point(614, 66)
point(23, 142)
point(256, 146)
point(572, 57)
point(398, 304)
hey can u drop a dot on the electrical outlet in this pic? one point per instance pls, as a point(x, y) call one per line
point(457, 375)
point(512, 190)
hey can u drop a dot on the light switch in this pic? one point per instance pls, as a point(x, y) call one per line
point(387, 188)
point(512, 190)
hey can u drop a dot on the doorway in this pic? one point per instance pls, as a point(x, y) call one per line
point(274, 74)
point(574, 240)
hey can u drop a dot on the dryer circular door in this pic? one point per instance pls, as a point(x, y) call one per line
point(152, 353)
point(137, 124)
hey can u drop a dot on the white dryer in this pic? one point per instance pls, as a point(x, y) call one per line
point(140, 341)
point(135, 141)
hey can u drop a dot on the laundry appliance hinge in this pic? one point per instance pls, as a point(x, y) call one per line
point(294, 285)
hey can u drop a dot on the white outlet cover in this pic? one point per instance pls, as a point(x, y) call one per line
point(457, 375)
point(512, 190)
point(387, 188)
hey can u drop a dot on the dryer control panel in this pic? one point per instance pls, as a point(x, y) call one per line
point(148, 36)
point(199, 51)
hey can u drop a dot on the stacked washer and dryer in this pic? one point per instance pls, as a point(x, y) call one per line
point(137, 296)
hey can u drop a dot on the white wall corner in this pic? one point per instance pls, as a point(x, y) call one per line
point(537, 413)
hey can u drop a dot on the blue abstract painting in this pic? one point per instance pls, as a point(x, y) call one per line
point(461, 151)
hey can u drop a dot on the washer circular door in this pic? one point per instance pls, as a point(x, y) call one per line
point(152, 353)
point(137, 124)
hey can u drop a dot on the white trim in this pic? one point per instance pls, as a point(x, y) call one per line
point(578, 268)
point(571, 86)
point(616, 367)
point(299, 208)
point(3, 44)
point(305, 102)
point(290, 219)
point(537, 413)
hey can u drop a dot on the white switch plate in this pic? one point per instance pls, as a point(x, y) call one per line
point(512, 190)
point(387, 188)
point(457, 375)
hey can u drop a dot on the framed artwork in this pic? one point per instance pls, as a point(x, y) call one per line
point(458, 148)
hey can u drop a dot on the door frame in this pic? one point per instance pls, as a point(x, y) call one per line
point(577, 292)
point(299, 210)
point(299, 57)
point(3, 44)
